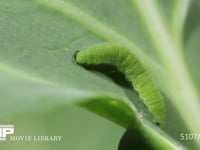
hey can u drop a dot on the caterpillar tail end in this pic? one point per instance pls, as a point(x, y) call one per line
point(159, 116)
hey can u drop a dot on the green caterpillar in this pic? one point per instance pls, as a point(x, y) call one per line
point(128, 64)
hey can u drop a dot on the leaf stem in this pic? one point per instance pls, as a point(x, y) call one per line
point(180, 89)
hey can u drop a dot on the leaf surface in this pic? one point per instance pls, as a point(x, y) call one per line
point(38, 40)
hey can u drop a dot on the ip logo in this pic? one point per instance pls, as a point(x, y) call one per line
point(6, 130)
